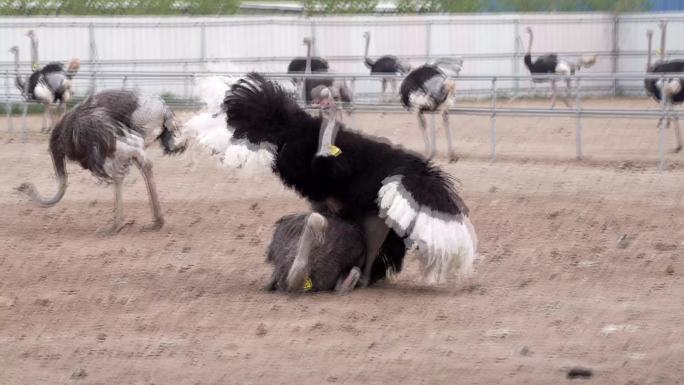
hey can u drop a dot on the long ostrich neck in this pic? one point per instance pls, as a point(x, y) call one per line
point(19, 81)
point(328, 130)
point(650, 50)
point(308, 58)
point(663, 30)
point(529, 45)
point(365, 53)
point(34, 52)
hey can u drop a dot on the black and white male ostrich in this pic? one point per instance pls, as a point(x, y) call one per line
point(551, 64)
point(48, 85)
point(385, 65)
point(429, 88)
point(327, 247)
point(311, 64)
point(670, 87)
point(389, 192)
point(107, 133)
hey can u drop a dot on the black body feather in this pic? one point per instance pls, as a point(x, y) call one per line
point(260, 111)
point(672, 66)
point(387, 64)
point(545, 64)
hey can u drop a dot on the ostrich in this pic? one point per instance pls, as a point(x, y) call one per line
point(107, 133)
point(326, 259)
point(48, 85)
point(428, 88)
point(311, 64)
point(388, 64)
point(551, 64)
point(330, 249)
point(389, 192)
point(671, 88)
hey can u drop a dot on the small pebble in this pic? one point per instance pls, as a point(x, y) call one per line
point(670, 270)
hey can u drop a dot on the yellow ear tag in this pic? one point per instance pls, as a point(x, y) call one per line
point(308, 284)
point(334, 150)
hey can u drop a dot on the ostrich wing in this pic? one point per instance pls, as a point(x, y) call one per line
point(424, 208)
point(55, 80)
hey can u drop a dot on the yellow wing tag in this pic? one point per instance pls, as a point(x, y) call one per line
point(334, 150)
point(308, 284)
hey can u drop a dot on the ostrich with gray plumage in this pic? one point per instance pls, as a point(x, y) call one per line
point(669, 87)
point(106, 134)
point(325, 250)
point(550, 64)
point(430, 88)
point(384, 65)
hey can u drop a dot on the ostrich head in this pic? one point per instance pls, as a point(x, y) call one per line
point(31, 34)
point(14, 50)
point(366, 35)
point(307, 41)
point(323, 98)
point(74, 65)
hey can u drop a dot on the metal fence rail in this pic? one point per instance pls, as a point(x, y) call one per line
point(370, 102)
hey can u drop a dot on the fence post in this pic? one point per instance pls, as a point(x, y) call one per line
point(8, 103)
point(492, 121)
point(353, 102)
point(93, 54)
point(428, 40)
point(203, 46)
point(578, 122)
point(615, 51)
point(516, 58)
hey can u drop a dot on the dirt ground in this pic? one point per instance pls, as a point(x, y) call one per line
point(582, 265)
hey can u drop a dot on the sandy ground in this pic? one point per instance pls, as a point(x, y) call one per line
point(555, 288)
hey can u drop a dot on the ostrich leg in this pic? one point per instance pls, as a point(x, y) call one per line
point(447, 131)
point(314, 231)
point(375, 231)
point(553, 93)
point(145, 167)
point(382, 91)
point(677, 131)
point(346, 285)
point(118, 223)
point(421, 121)
point(24, 111)
point(568, 91)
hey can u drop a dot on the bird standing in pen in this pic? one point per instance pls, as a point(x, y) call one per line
point(389, 192)
point(428, 88)
point(107, 133)
point(49, 85)
point(550, 64)
point(384, 65)
point(668, 87)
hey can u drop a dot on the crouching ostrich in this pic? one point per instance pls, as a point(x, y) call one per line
point(552, 65)
point(427, 89)
point(670, 87)
point(389, 192)
point(48, 85)
point(107, 133)
point(329, 250)
point(384, 65)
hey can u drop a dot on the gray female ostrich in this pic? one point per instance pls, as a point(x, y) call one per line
point(107, 133)
point(315, 252)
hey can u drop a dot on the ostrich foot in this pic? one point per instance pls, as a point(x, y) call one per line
point(116, 227)
point(347, 285)
point(453, 158)
point(272, 284)
point(677, 149)
point(154, 226)
point(363, 282)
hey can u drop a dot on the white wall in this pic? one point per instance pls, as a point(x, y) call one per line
point(239, 44)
